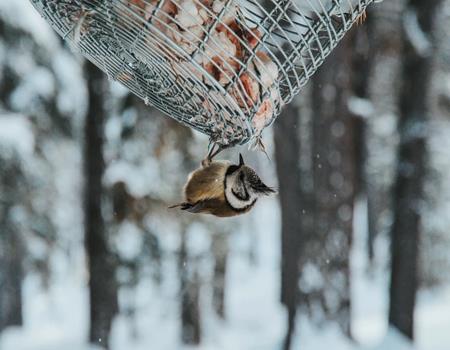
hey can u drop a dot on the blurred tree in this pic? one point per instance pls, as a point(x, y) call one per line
point(43, 104)
point(12, 195)
point(362, 65)
point(134, 143)
point(140, 200)
point(287, 153)
point(11, 182)
point(189, 296)
point(30, 92)
point(417, 61)
point(435, 239)
point(37, 92)
point(383, 50)
point(101, 263)
point(333, 172)
point(220, 251)
point(134, 209)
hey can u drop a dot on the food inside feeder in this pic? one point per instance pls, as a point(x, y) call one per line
point(215, 47)
point(221, 67)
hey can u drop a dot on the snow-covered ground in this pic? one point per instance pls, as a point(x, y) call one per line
point(58, 319)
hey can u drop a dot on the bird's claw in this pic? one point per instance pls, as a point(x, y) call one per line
point(362, 18)
point(206, 162)
point(214, 150)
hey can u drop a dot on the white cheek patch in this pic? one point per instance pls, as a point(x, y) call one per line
point(235, 202)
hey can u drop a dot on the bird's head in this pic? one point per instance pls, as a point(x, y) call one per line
point(243, 186)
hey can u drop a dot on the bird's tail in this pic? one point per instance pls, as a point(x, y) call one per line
point(182, 206)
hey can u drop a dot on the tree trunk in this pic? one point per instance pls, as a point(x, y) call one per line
point(408, 192)
point(361, 66)
point(11, 245)
point(101, 263)
point(334, 177)
point(287, 153)
point(11, 280)
point(190, 298)
point(220, 249)
point(363, 60)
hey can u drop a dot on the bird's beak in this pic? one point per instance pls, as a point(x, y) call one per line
point(241, 160)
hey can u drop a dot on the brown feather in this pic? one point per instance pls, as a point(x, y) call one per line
point(207, 182)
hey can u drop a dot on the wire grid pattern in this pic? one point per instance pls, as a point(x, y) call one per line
point(222, 67)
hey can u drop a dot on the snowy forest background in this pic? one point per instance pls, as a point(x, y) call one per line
point(354, 252)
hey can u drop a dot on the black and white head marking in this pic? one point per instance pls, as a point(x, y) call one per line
point(243, 186)
point(237, 193)
point(255, 184)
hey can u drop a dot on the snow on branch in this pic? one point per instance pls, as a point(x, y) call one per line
point(416, 36)
point(360, 107)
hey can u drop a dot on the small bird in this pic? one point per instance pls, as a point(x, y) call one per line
point(223, 189)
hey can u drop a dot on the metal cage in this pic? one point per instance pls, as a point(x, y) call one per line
point(222, 67)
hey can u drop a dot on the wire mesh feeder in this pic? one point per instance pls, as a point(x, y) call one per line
point(223, 67)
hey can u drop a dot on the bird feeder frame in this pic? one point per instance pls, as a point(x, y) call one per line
point(177, 56)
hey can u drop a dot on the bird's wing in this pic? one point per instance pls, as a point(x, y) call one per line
point(210, 206)
point(206, 183)
point(195, 208)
